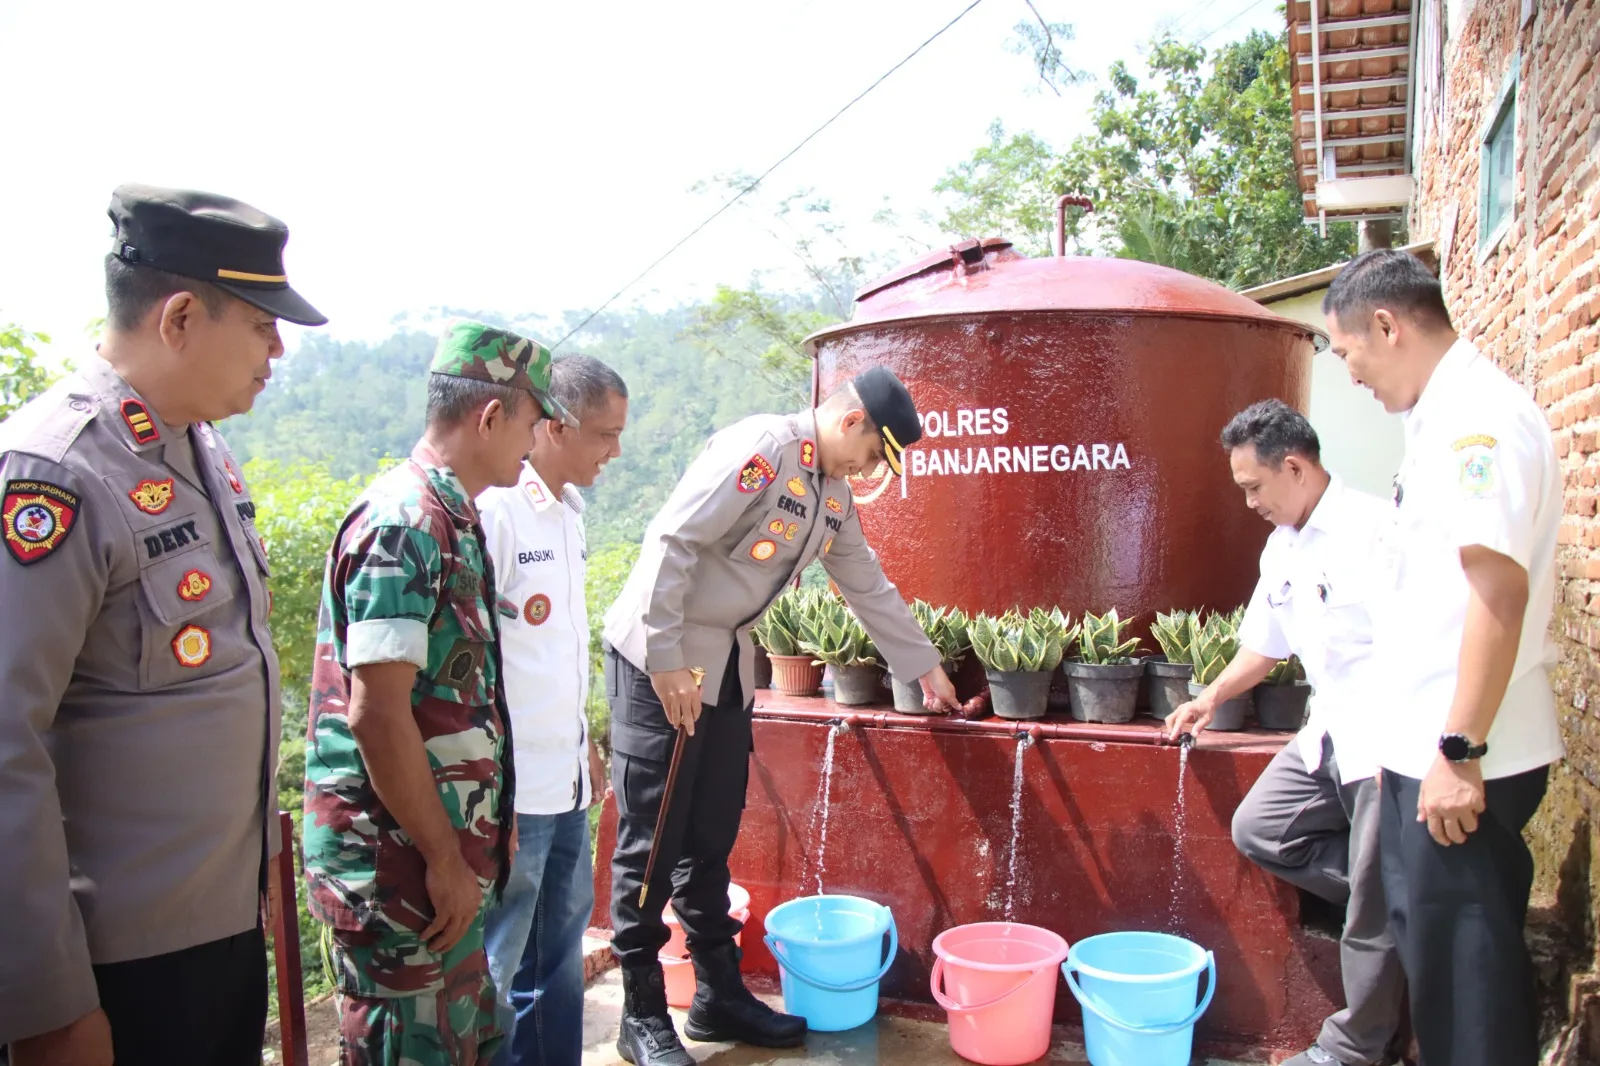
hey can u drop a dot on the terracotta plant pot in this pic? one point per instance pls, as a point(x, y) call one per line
point(1282, 707)
point(763, 667)
point(857, 685)
point(1231, 716)
point(1103, 693)
point(1020, 694)
point(796, 675)
point(1167, 684)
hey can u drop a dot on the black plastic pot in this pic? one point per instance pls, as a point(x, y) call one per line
point(1167, 683)
point(1231, 716)
point(1282, 707)
point(1103, 693)
point(1019, 694)
point(857, 684)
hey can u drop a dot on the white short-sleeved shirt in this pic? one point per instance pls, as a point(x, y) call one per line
point(537, 542)
point(1311, 601)
point(1479, 469)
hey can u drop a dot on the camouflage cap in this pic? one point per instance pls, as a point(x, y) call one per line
point(487, 353)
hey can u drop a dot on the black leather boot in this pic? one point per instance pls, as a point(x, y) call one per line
point(646, 1036)
point(724, 1009)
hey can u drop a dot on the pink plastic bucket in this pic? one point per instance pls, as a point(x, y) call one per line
point(997, 980)
point(675, 964)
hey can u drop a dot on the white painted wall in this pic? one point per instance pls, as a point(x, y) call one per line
point(1361, 442)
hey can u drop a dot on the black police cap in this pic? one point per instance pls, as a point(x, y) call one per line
point(889, 406)
point(210, 238)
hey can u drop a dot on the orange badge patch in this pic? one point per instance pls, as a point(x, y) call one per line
point(794, 527)
point(808, 454)
point(756, 474)
point(775, 527)
point(192, 646)
point(36, 517)
point(835, 506)
point(233, 479)
point(194, 586)
point(152, 497)
point(762, 550)
point(138, 418)
point(826, 548)
point(537, 610)
point(797, 487)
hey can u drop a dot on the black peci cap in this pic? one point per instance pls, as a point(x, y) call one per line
point(210, 238)
point(889, 406)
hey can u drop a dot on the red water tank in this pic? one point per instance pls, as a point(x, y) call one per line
point(1071, 408)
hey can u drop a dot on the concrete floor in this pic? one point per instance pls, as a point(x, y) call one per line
point(886, 1041)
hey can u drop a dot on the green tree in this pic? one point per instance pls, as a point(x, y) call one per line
point(22, 374)
point(1194, 167)
point(608, 569)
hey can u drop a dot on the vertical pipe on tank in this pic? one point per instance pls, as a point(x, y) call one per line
point(1062, 203)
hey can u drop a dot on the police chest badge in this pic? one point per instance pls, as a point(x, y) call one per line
point(152, 497)
point(193, 586)
point(1476, 474)
point(756, 474)
point(36, 517)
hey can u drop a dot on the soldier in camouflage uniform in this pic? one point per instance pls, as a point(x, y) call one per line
point(408, 809)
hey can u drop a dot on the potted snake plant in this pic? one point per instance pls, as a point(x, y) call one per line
point(946, 630)
point(1019, 655)
point(1214, 648)
point(1167, 674)
point(794, 672)
point(1282, 698)
point(1102, 676)
point(834, 637)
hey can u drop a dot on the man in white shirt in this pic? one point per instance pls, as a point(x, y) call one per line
point(1467, 581)
point(536, 539)
point(1312, 816)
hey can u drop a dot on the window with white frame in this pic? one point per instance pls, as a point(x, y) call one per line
point(1497, 162)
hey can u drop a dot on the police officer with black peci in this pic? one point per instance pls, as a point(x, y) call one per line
point(766, 498)
point(139, 728)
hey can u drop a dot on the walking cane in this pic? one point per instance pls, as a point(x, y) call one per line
point(666, 797)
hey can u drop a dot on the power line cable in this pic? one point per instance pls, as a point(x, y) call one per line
point(1230, 22)
point(762, 177)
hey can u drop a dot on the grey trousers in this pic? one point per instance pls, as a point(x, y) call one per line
point(1303, 826)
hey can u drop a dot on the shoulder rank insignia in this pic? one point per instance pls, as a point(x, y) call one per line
point(537, 610)
point(137, 415)
point(808, 454)
point(36, 517)
point(1477, 440)
point(152, 497)
point(756, 474)
point(835, 506)
point(762, 550)
point(192, 646)
point(796, 486)
point(194, 585)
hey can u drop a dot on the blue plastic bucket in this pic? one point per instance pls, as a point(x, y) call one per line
point(831, 956)
point(1138, 991)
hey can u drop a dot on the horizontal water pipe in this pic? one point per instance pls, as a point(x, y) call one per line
point(1152, 735)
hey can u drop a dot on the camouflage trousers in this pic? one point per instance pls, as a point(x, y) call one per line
point(401, 1004)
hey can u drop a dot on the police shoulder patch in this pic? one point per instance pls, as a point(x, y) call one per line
point(756, 474)
point(35, 518)
point(1477, 474)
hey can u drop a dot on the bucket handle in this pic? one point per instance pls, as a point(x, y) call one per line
point(936, 986)
point(1146, 1030)
point(828, 986)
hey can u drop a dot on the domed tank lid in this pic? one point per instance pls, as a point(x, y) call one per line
point(991, 277)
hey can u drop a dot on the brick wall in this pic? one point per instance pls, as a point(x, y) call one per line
point(1532, 301)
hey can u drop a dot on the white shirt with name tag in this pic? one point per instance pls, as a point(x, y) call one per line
point(1479, 469)
point(540, 554)
point(1312, 601)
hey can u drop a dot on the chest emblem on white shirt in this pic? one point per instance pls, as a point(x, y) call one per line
point(537, 609)
point(538, 555)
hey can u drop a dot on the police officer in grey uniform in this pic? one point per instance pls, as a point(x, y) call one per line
point(139, 724)
point(766, 497)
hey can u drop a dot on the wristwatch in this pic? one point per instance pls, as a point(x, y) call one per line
point(1457, 748)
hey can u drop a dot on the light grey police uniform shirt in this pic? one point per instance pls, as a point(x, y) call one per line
point(752, 511)
point(139, 700)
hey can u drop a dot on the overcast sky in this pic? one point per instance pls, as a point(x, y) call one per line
point(516, 156)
